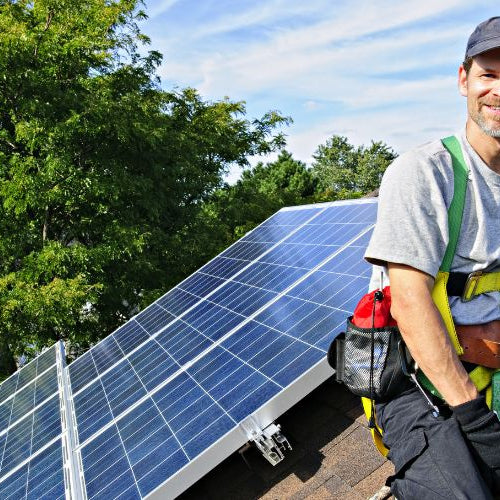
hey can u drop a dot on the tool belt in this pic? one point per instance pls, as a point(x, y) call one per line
point(481, 343)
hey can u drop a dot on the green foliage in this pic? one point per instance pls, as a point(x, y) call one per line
point(101, 171)
point(345, 171)
point(111, 189)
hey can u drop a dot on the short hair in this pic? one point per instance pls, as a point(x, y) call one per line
point(467, 64)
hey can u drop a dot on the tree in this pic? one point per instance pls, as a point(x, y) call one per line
point(346, 171)
point(100, 169)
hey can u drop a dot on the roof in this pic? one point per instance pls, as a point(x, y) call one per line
point(333, 456)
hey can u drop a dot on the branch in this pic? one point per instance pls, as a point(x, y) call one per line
point(48, 22)
point(45, 226)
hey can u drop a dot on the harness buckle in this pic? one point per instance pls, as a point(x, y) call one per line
point(472, 281)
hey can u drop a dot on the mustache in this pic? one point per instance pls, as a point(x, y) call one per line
point(494, 104)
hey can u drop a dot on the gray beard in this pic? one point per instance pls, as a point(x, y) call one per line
point(492, 132)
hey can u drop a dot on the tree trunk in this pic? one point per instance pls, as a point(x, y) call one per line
point(7, 362)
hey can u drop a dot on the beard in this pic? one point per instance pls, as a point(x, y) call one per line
point(489, 127)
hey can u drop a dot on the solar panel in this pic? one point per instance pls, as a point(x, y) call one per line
point(31, 461)
point(154, 406)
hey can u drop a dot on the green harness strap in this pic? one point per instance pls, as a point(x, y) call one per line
point(456, 210)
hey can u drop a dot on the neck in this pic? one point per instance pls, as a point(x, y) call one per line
point(487, 147)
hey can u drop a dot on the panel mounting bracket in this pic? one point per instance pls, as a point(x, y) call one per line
point(271, 442)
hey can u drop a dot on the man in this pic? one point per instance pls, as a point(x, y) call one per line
point(457, 454)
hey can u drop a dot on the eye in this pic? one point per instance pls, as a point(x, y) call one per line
point(488, 75)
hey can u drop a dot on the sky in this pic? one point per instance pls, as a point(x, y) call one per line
point(368, 70)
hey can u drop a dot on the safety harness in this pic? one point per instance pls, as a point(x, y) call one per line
point(467, 286)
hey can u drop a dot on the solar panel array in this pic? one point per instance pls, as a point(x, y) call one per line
point(177, 385)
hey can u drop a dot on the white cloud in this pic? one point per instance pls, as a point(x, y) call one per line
point(258, 14)
point(311, 105)
point(158, 8)
point(316, 70)
point(401, 129)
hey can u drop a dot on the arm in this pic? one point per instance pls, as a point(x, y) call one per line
point(425, 335)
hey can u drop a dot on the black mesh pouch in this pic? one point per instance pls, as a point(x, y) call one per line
point(368, 361)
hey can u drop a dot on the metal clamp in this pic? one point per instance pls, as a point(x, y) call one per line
point(271, 443)
point(472, 280)
point(410, 370)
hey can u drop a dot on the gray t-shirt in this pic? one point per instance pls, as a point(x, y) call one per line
point(412, 222)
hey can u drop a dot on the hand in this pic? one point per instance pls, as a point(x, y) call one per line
point(482, 430)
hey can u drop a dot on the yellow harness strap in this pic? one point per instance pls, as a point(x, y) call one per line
point(480, 282)
point(440, 298)
point(376, 431)
point(481, 376)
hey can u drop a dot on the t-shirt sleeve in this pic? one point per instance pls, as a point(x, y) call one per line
point(412, 217)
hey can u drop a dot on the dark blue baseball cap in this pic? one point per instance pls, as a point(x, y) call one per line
point(485, 37)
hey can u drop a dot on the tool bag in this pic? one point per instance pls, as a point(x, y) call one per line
point(368, 357)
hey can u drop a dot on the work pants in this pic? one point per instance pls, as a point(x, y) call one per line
point(430, 455)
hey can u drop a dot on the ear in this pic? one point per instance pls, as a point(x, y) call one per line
point(462, 81)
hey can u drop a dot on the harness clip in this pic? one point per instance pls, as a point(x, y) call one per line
point(472, 281)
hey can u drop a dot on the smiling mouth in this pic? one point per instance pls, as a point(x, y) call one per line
point(494, 110)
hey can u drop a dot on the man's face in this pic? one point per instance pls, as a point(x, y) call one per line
point(481, 86)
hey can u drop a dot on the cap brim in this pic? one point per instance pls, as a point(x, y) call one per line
point(484, 46)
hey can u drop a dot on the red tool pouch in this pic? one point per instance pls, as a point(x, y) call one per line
point(367, 357)
point(371, 313)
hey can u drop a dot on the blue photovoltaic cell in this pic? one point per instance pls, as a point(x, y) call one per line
point(247, 251)
point(27, 374)
point(182, 342)
point(46, 477)
point(217, 347)
point(132, 334)
point(40, 478)
point(153, 320)
point(82, 372)
point(177, 301)
point(92, 411)
point(200, 284)
point(33, 394)
point(30, 463)
point(107, 471)
point(44, 361)
point(8, 387)
point(105, 354)
point(292, 218)
point(152, 365)
point(223, 267)
point(241, 298)
point(30, 434)
point(268, 234)
point(211, 319)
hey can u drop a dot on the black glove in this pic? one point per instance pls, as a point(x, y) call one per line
point(482, 431)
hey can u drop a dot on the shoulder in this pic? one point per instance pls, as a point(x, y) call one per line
point(426, 167)
point(431, 157)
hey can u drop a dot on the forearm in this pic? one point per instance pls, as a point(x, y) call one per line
point(426, 337)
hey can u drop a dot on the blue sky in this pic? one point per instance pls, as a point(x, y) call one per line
point(368, 70)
